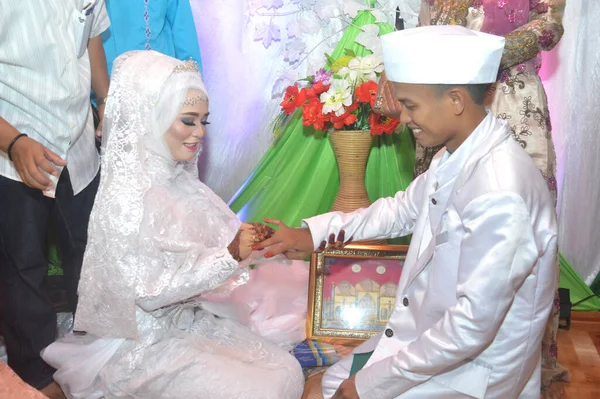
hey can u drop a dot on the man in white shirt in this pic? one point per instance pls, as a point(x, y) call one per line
point(479, 278)
point(51, 55)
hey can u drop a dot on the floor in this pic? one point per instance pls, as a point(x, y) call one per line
point(578, 351)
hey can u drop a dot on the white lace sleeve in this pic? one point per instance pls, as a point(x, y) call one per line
point(164, 282)
point(176, 265)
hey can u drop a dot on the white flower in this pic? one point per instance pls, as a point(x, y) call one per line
point(338, 95)
point(368, 66)
point(369, 37)
point(354, 77)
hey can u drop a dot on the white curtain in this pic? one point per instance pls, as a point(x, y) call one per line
point(572, 79)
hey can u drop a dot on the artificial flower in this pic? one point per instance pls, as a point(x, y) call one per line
point(381, 124)
point(345, 119)
point(367, 92)
point(323, 76)
point(338, 95)
point(369, 66)
point(293, 99)
point(316, 89)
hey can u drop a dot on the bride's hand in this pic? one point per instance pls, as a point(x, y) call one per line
point(247, 239)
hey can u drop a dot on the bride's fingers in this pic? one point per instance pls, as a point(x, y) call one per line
point(246, 226)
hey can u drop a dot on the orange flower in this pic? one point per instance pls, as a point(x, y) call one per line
point(293, 99)
point(367, 92)
point(382, 124)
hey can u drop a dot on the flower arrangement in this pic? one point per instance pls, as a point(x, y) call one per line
point(341, 96)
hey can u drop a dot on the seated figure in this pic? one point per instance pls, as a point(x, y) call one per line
point(158, 240)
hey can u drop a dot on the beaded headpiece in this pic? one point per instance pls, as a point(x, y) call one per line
point(191, 66)
point(187, 66)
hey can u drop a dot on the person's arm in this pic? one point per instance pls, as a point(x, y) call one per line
point(185, 37)
point(542, 32)
point(7, 134)
point(98, 68)
point(497, 253)
point(387, 217)
point(166, 281)
point(30, 158)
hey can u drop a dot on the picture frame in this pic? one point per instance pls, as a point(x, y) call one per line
point(352, 291)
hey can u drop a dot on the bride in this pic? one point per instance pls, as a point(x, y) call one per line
point(158, 240)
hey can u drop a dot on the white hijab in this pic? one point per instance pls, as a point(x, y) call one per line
point(147, 92)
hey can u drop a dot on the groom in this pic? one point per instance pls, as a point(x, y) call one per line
point(479, 278)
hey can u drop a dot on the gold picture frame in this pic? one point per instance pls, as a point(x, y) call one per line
point(352, 291)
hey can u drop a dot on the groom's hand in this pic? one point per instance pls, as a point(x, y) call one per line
point(293, 243)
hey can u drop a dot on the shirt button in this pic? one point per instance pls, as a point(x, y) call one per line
point(405, 301)
point(389, 333)
point(433, 201)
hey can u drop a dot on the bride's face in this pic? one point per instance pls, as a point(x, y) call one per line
point(184, 137)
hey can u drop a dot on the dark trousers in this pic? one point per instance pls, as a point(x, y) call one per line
point(27, 317)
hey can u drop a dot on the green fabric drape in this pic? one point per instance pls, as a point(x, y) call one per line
point(578, 289)
point(298, 176)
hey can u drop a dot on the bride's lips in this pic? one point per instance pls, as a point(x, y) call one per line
point(192, 146)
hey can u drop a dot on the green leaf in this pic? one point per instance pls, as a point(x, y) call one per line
point(330, 61)
point(349, 52)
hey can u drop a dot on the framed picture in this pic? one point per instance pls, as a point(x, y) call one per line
point(352, 291)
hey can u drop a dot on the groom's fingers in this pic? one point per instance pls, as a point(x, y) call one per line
point(276, 222)
point(275, 250)
point(267, 243)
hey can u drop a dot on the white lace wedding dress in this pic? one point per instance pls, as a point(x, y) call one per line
point(158, 240)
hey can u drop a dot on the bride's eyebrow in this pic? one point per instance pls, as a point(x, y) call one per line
point(190, 114)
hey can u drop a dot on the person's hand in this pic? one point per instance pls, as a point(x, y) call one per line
point(347, 390)
point(293, 243)
point(101, 120)
point(247, 240)
point(334, 243)
point(32, 159)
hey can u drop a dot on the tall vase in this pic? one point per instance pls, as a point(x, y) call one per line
point(352, 148)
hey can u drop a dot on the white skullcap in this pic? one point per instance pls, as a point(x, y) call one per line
point(445, 54)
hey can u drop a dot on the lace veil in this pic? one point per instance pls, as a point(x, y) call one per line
point(146, 93)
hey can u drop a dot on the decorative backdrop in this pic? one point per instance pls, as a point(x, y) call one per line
point(251, 51)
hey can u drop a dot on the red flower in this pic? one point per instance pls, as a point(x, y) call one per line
point(317, 89)
point(310, 111)
point(322, 121)
point(312, 114)
point(346, 118)
point(293, 99)
point(382, 124)
point(352, 107)
point(367, 92)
